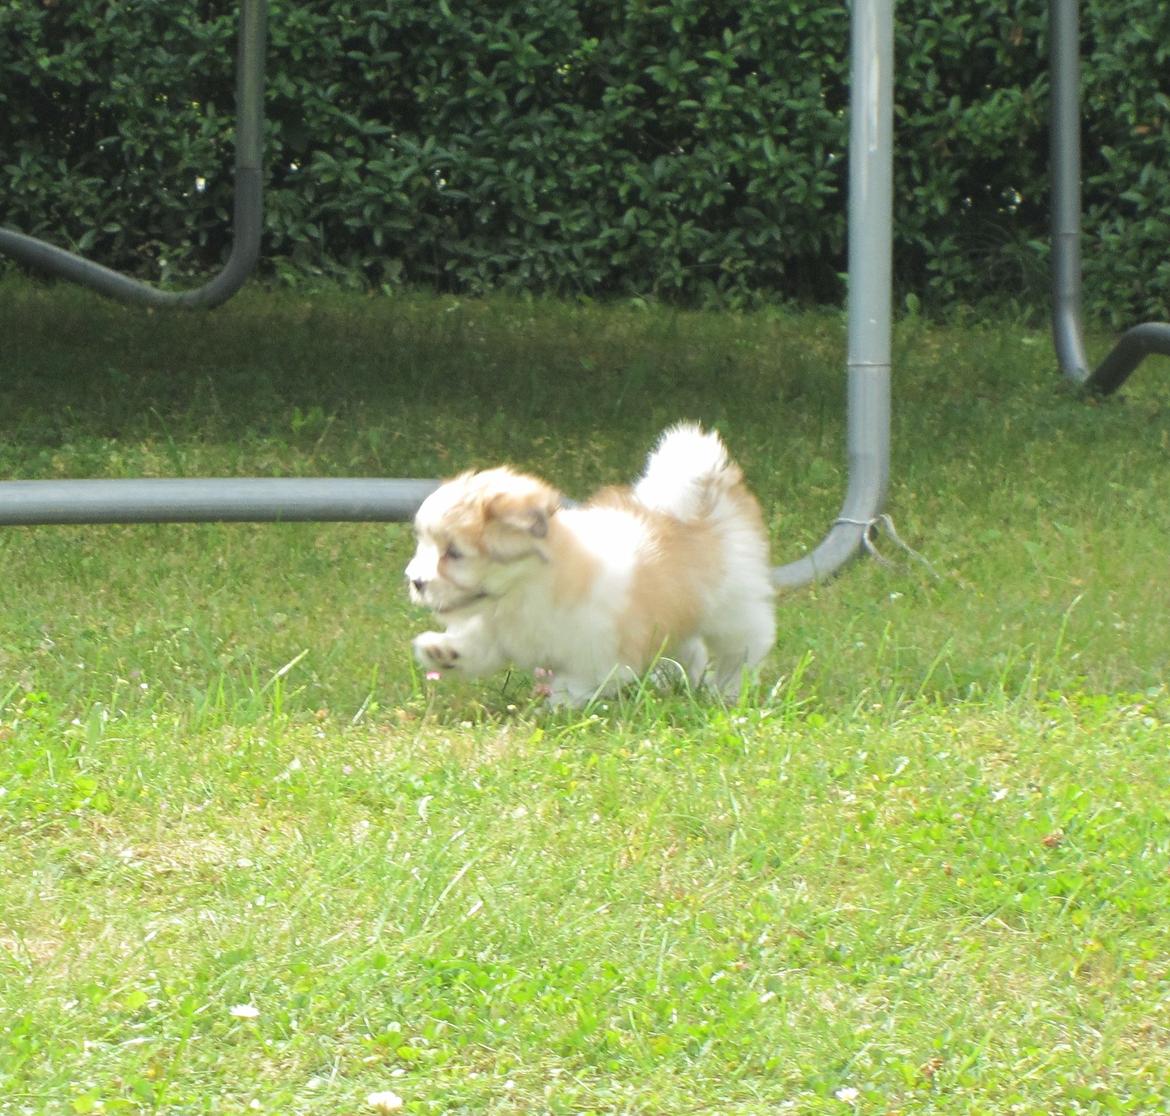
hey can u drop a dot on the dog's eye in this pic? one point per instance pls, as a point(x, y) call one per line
point(453, 553)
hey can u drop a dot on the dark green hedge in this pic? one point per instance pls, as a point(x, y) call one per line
point(684, 149)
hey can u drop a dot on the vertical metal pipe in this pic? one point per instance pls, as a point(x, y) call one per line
point(871, 151)
point(248, 206)
point(1065, 153)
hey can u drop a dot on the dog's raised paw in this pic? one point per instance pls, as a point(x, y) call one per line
point(435, 651)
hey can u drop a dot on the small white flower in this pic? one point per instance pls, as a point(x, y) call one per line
point(384, 1101)
point(244, 1011)
point(294, 766)
point(847, 1095)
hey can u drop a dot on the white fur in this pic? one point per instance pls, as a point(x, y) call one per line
point(680, 470)
point(678, 565)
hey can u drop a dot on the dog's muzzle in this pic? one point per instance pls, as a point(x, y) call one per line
point(418, 594)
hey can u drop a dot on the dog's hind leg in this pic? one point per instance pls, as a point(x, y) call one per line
point(685, 661)
point(735, 652)
point(574, 691)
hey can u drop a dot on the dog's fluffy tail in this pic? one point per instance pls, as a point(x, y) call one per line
point(687, 473)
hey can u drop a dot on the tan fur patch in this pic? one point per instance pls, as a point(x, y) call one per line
point(665, 594)
point(749, 506)
point(666, 590)
point(496, 509)
point(573, 570)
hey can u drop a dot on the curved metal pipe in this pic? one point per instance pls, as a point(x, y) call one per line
point(248, 205)
point(1135, 344)
point(1064, 60)
point(871, 149)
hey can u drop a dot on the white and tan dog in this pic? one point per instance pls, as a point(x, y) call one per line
point(675, 567)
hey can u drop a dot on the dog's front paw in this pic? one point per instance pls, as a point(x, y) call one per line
point(436, 651)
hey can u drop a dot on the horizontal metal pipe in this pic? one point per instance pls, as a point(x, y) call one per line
point(207, 500)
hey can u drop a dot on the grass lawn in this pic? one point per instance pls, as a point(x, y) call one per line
point(252, 862)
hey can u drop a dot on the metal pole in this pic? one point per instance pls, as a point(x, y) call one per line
point(1064, 59)
point(248, 221)
point(204, 500)
point(871, 146)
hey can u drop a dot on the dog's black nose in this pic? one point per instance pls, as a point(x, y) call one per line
point(418, 584)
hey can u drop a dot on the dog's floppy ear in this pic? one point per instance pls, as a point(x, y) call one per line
point(528, 512)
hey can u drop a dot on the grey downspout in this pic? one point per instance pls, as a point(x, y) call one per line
point(871, 99)
point(1065, 138)
point(248, 218)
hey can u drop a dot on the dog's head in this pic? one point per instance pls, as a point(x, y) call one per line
point(478, 537)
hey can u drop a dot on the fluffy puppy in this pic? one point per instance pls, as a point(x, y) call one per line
point(676, 566)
